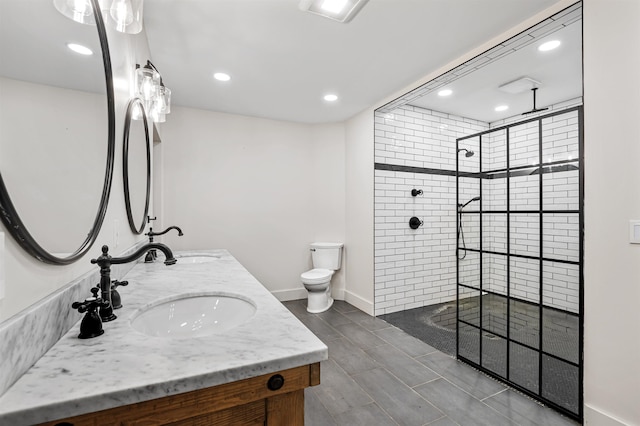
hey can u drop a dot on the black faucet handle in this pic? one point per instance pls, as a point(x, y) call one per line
point(99, 301)
point(115, 284)
point(90, 304)
point(91, 324)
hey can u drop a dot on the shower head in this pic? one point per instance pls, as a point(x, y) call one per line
point(462, 206)
point(468, 153)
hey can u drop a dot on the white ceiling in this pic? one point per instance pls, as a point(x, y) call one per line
point(283, 60)
point(559, 73)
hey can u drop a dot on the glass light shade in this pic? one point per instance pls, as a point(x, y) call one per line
point(158, 117)
point(79, 10)
point(124, 15)
point(163, 100)
point(147, 83)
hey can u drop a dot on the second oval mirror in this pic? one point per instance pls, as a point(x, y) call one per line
point(136, 165)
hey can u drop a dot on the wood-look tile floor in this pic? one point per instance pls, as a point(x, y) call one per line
point(378, 375)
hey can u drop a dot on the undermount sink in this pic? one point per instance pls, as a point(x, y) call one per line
point(194, 316)
point(190, 259)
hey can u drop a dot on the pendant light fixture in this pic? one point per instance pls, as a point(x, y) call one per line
point(80, 11)
point(155, 95)
point(124, 16)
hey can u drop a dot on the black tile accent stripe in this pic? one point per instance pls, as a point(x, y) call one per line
point(557, 166)
point(412, 169)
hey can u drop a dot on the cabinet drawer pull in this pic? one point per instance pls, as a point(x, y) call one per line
point(275, 382)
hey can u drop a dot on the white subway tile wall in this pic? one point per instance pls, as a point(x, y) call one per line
point(415, 268)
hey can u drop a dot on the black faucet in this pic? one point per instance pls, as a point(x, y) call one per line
point(105, 261)
point(151, 254)
point(91, 324)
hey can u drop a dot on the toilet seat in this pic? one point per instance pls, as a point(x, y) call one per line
point(316, 276)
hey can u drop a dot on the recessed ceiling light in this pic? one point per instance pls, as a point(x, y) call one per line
point(333, 6)
point(445, 92)
point(501, 108)
point(550, 45)
point(330, 98)
point(78, 48)
point(338, 10)
point(220, 76)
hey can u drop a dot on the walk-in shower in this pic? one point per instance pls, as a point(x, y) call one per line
point(501, 286)
point(493, 274)
point(519, 272)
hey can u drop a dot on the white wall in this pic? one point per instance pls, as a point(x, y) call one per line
point(262, 189)
point(612, 265)
point(359, 211)
point(27, 279)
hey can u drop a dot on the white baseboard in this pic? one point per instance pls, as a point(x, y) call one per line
point(595, 417)
point(364, 305)
point(338, 294)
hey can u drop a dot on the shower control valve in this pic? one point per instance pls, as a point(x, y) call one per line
point(415, 223)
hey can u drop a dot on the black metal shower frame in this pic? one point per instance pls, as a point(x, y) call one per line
point(509, 172)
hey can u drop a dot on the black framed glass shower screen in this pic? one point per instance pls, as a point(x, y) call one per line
point(519, 266)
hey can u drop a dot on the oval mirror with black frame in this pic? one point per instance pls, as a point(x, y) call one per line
point(137, 184)
point(57, 110)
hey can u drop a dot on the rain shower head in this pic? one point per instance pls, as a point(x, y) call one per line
point(535, 109)
point(468, 153)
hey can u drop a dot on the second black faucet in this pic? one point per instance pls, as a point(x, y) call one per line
point(151, 254)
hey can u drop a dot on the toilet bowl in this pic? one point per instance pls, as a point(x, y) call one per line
point(326, 258)
point(318, 285)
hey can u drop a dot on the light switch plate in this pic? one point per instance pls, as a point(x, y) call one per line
point(634, 231)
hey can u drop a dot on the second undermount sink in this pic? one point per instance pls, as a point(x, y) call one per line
point(194, 316)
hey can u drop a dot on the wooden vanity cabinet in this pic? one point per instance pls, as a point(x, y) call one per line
point(263, 400)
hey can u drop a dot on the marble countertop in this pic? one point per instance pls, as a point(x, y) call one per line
point(124, 366)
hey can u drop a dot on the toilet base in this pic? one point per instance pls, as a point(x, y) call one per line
point(316, 308)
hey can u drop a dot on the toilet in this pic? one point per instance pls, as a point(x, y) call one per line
point(326, 258)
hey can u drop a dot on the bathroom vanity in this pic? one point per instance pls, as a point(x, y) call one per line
point(242, 403)
point(247, 366)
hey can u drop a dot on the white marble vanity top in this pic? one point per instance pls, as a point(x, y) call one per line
point(124, 366)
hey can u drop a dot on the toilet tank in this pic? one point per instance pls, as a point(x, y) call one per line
point(326, 255)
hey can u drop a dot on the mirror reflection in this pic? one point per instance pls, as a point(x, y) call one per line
point(54, 123)
point(136, 151)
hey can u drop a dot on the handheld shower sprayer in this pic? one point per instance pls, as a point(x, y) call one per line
point(461, 229)
point(468, 153)
point(462, 206)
